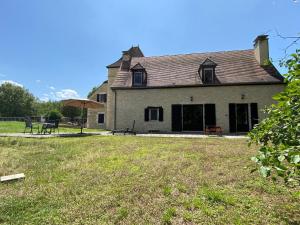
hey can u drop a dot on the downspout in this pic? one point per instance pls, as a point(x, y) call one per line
point(115, 110)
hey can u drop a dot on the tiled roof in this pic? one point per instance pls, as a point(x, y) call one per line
point(233, 67)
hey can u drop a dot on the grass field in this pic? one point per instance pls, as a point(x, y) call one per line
point(138, 180)
point(18, 127)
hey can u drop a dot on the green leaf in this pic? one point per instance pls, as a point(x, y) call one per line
point(254, 159)
point(296, 159)
point(265, 171)
point(281, 158)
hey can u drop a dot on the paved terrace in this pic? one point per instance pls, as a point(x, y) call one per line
point(108, 133)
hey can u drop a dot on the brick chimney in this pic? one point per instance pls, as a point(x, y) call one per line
point(261, 49)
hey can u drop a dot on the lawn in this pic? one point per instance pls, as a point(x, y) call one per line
point(18, 127)
point(139, 180)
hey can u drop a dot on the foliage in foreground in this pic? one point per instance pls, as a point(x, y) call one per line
point(279, 134)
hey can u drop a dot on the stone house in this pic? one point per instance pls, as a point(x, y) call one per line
point(188, 92)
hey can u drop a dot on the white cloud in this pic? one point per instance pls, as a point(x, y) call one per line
point(59, 95)
point(52, 88)
point(44, 99)
point(2, 75)
point(38, 81)
point(11, 82)
point(65, 94)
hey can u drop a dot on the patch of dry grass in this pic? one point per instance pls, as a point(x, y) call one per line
point(136, 180)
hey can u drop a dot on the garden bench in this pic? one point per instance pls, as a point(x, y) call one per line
point(213, 130)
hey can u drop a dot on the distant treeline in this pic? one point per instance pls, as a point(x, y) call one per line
point(16, 101)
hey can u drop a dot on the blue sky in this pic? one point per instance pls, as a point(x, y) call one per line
point(60, 48)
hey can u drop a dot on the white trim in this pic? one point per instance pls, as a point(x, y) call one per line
point(98, 118)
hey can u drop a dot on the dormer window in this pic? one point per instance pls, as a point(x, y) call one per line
point(208, 75)
point(139, 76)
point(207, 71)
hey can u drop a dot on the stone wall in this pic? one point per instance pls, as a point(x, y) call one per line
point(131, 103)
point(92, 114)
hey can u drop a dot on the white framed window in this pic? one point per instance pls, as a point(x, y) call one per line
point(101, 118)
point(138, 78)
point(208, 75)
point(153, 114)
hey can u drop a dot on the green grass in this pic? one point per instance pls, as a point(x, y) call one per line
point(138, 180)
point(18, 127)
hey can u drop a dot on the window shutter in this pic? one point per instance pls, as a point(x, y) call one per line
point(98, 98)
point(105, 97)
point(254, 114)
point(232, 117)
point(147, 114)
point(145, 78)
point(210, 114)
point(161, 114)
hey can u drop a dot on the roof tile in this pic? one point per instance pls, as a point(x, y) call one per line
point(177, 70)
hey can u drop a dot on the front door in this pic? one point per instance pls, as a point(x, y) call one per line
point(238, 117)
point(192, 118)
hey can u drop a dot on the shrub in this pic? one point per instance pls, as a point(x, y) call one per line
point(279, 134)
point(53, 115)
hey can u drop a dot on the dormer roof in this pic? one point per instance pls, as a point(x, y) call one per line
point(137, 66)
point(208, 62)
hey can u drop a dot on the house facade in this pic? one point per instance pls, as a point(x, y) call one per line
point(188, 92)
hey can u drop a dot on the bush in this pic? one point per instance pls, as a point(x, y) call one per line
point(54, 115)
point(279, 134)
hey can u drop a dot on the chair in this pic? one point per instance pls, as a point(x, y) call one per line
point(30, 125)
point(127, 130)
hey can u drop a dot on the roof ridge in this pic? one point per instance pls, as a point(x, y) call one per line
point(196, 53)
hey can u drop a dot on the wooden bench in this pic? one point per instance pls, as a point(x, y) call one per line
point(213, 130)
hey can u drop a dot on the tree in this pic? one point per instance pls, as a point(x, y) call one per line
point(278, 136)
point(92, 91)
point(42, 108)
point(71, 112)
point(15, 101)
